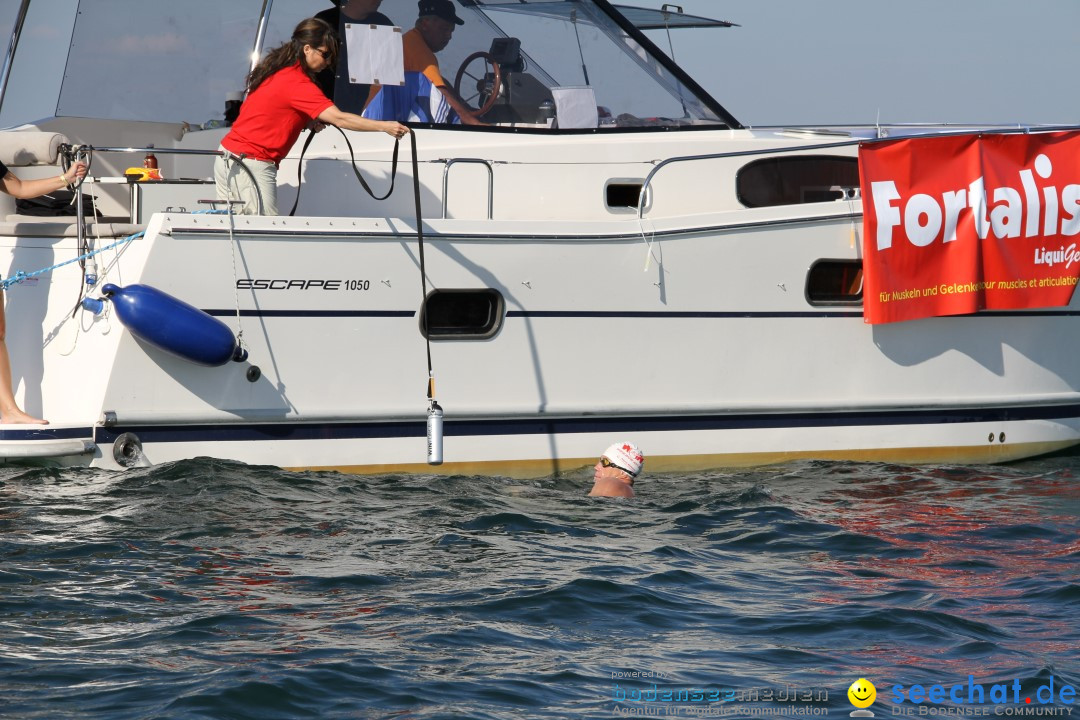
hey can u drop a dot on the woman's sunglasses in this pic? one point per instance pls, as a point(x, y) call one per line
point(607, 463)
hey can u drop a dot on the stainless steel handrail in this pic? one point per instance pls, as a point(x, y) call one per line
point(133, 210)
point(825, 146)
point(474, 161)
point(155, 150)
point(737, 153)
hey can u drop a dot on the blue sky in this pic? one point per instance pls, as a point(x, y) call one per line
point(801, 61)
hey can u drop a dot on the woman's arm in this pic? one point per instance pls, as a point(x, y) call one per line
point(22, 189)
point(333, 116)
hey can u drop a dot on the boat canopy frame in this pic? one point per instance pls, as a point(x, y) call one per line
point(120, 84)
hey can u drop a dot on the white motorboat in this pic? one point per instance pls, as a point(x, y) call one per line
point(612, 256)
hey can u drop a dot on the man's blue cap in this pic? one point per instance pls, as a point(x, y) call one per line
point(440, 8)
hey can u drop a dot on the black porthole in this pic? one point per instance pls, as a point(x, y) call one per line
point(835, 282)
point(622, 194)
point(462, 314)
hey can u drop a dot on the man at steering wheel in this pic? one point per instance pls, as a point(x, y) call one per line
point(432, 33)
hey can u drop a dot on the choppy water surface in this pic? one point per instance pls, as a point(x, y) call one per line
point(214, 589)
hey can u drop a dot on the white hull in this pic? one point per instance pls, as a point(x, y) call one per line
point(707, 354)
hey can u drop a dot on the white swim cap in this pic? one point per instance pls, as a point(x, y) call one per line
point(627, 456)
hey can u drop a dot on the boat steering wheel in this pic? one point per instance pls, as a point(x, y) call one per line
point(489, 61)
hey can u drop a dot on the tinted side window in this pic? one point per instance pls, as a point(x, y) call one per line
point(793, 180)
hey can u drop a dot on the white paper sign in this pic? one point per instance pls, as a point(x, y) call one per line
point(375, 54)
point(575, 107)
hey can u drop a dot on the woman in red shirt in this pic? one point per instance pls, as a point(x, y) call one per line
point(282, 100)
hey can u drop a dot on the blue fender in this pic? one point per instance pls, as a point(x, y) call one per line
point(174, 326)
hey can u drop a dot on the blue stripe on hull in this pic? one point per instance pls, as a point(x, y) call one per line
point(634, 314)
point(556, 426)
point(311, 313)
point(45, 432)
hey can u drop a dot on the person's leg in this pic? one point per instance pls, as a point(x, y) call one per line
point(232, 181)
point(9, 410)
point(266, 178)
point(221, 180)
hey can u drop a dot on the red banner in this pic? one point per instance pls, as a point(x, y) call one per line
point(953, 225)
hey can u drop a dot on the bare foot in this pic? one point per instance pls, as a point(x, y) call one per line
point(18, 417)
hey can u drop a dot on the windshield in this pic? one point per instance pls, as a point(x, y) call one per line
point(574, 44)
point(563, 64)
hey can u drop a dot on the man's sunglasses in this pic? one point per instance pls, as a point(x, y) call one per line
point(607, 463)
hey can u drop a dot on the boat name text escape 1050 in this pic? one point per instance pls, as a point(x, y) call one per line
point(268, 284)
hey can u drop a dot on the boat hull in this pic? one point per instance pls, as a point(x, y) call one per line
point(602, 336)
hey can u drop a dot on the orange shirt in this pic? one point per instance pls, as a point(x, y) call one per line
point(419, 58)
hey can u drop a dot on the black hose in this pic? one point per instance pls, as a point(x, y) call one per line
point(356, 171)
point(423, 268)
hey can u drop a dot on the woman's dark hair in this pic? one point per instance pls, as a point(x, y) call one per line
point(313, 32)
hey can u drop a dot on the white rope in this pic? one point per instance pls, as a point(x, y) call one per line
point(233, 247)
point(648, 242)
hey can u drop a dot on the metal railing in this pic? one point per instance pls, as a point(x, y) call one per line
point(993, 130)
point(150, 149)
point(74, 151)
point(472, 161)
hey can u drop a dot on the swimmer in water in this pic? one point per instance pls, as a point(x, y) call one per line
point(616, 471)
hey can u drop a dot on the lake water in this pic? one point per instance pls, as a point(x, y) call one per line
point(212, 589)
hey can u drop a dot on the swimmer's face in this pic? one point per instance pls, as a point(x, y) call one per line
point(600, 470)
point(862, 693)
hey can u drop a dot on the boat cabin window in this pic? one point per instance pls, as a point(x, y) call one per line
point(568, 65)
point(462, 314)
point(835, 282)
point(796, 179)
